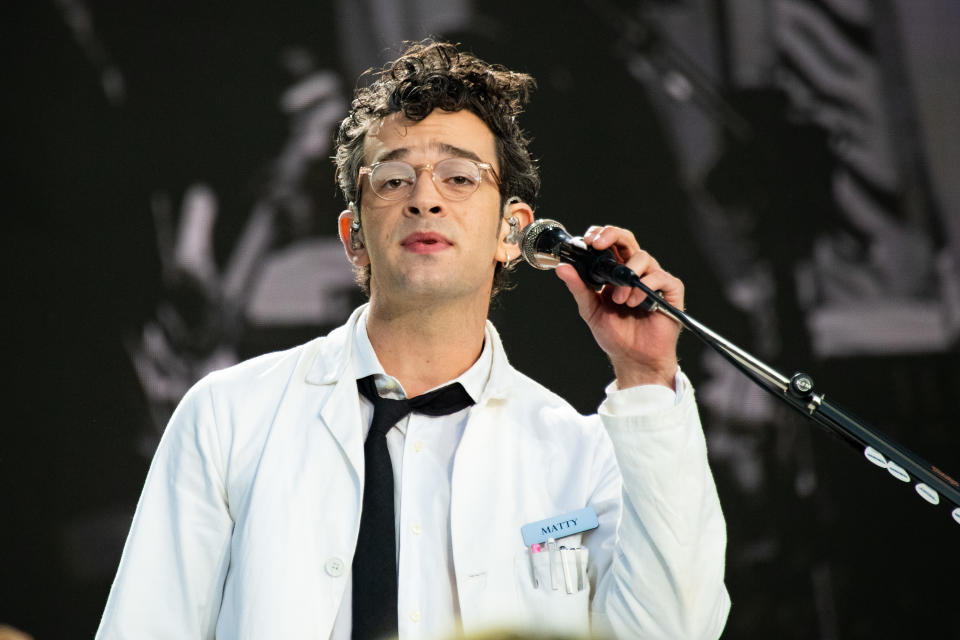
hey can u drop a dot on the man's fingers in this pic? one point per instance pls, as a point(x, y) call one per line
point(655, 278)
point(671, 289)
point(628, 250)
point(624, 244)
point(604, 237)
point(585, 297)
point(610, 236)
point(593, 230)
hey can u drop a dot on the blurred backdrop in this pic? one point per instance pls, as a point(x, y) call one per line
point(171, 210)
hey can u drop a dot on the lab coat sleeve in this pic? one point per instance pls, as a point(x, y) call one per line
point(665, 577)
point(170, 580)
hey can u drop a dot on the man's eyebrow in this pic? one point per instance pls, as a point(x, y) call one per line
point(400, 152)
point(394, 154)
point(457, 151)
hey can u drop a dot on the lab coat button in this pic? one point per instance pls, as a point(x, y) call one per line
point(334, 567)
point(415, 616)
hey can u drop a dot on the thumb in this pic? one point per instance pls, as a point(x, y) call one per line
point(585, 297)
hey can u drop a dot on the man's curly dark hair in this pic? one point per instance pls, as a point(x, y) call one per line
point(437, 75)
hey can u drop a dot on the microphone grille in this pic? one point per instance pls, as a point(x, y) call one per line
point(528, 240)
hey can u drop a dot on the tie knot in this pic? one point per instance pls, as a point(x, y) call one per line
point(388, 412)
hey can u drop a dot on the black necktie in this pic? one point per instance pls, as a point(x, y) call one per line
point(375, 560)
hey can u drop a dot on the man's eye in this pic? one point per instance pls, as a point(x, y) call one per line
point(393, 183)
point(460, 181)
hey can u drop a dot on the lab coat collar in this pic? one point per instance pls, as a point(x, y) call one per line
point(498, 385)
point(334, 355)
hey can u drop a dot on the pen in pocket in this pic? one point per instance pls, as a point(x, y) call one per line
point(554, 570)
point(580, 568)
point(565, 559)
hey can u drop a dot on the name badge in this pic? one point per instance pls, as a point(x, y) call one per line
point(565, 524)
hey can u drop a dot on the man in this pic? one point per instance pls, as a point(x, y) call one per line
point(276, 507)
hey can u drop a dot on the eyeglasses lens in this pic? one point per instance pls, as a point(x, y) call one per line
point(455, 179)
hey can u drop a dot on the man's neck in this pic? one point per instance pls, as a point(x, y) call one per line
point(427, 345)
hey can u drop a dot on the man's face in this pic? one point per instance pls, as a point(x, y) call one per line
point(425, 244)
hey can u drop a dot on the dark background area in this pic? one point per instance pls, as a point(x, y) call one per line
point(821, 543)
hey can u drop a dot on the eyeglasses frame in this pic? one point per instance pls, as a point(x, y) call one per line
point(368, 170)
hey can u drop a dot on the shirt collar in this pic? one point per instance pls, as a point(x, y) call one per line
point(366, 363)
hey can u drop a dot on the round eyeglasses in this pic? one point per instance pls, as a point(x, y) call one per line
point(455, 178)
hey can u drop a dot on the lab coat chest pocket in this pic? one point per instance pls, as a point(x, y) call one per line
point(554, 590)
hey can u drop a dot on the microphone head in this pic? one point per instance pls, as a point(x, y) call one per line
point(528, 244)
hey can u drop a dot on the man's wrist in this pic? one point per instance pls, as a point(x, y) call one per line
point(634, 375)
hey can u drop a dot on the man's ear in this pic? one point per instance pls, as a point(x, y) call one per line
point(352, 237)
point(515, 209)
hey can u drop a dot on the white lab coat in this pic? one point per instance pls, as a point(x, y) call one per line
point(249, 515)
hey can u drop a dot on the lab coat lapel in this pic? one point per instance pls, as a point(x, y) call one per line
point(481, 490)
point(340, 410)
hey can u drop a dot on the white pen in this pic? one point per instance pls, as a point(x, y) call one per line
point(579, 568)
point(565, 559)
point(554, 574)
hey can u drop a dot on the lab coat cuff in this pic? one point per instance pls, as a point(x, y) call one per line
point(645, 399)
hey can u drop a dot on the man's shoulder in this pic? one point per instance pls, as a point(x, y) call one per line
point(544, 406)
point(522, 392)
point(261, 368)
point(276, 369)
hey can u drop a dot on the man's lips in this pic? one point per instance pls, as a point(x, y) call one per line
point(426, 242)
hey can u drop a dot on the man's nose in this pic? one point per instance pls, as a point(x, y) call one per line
point(425, 197)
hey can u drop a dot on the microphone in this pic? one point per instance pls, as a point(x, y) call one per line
point(545, 243)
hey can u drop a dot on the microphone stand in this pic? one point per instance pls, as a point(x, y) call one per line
point(799, 392)
point(681, 78)
point(545, 243)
